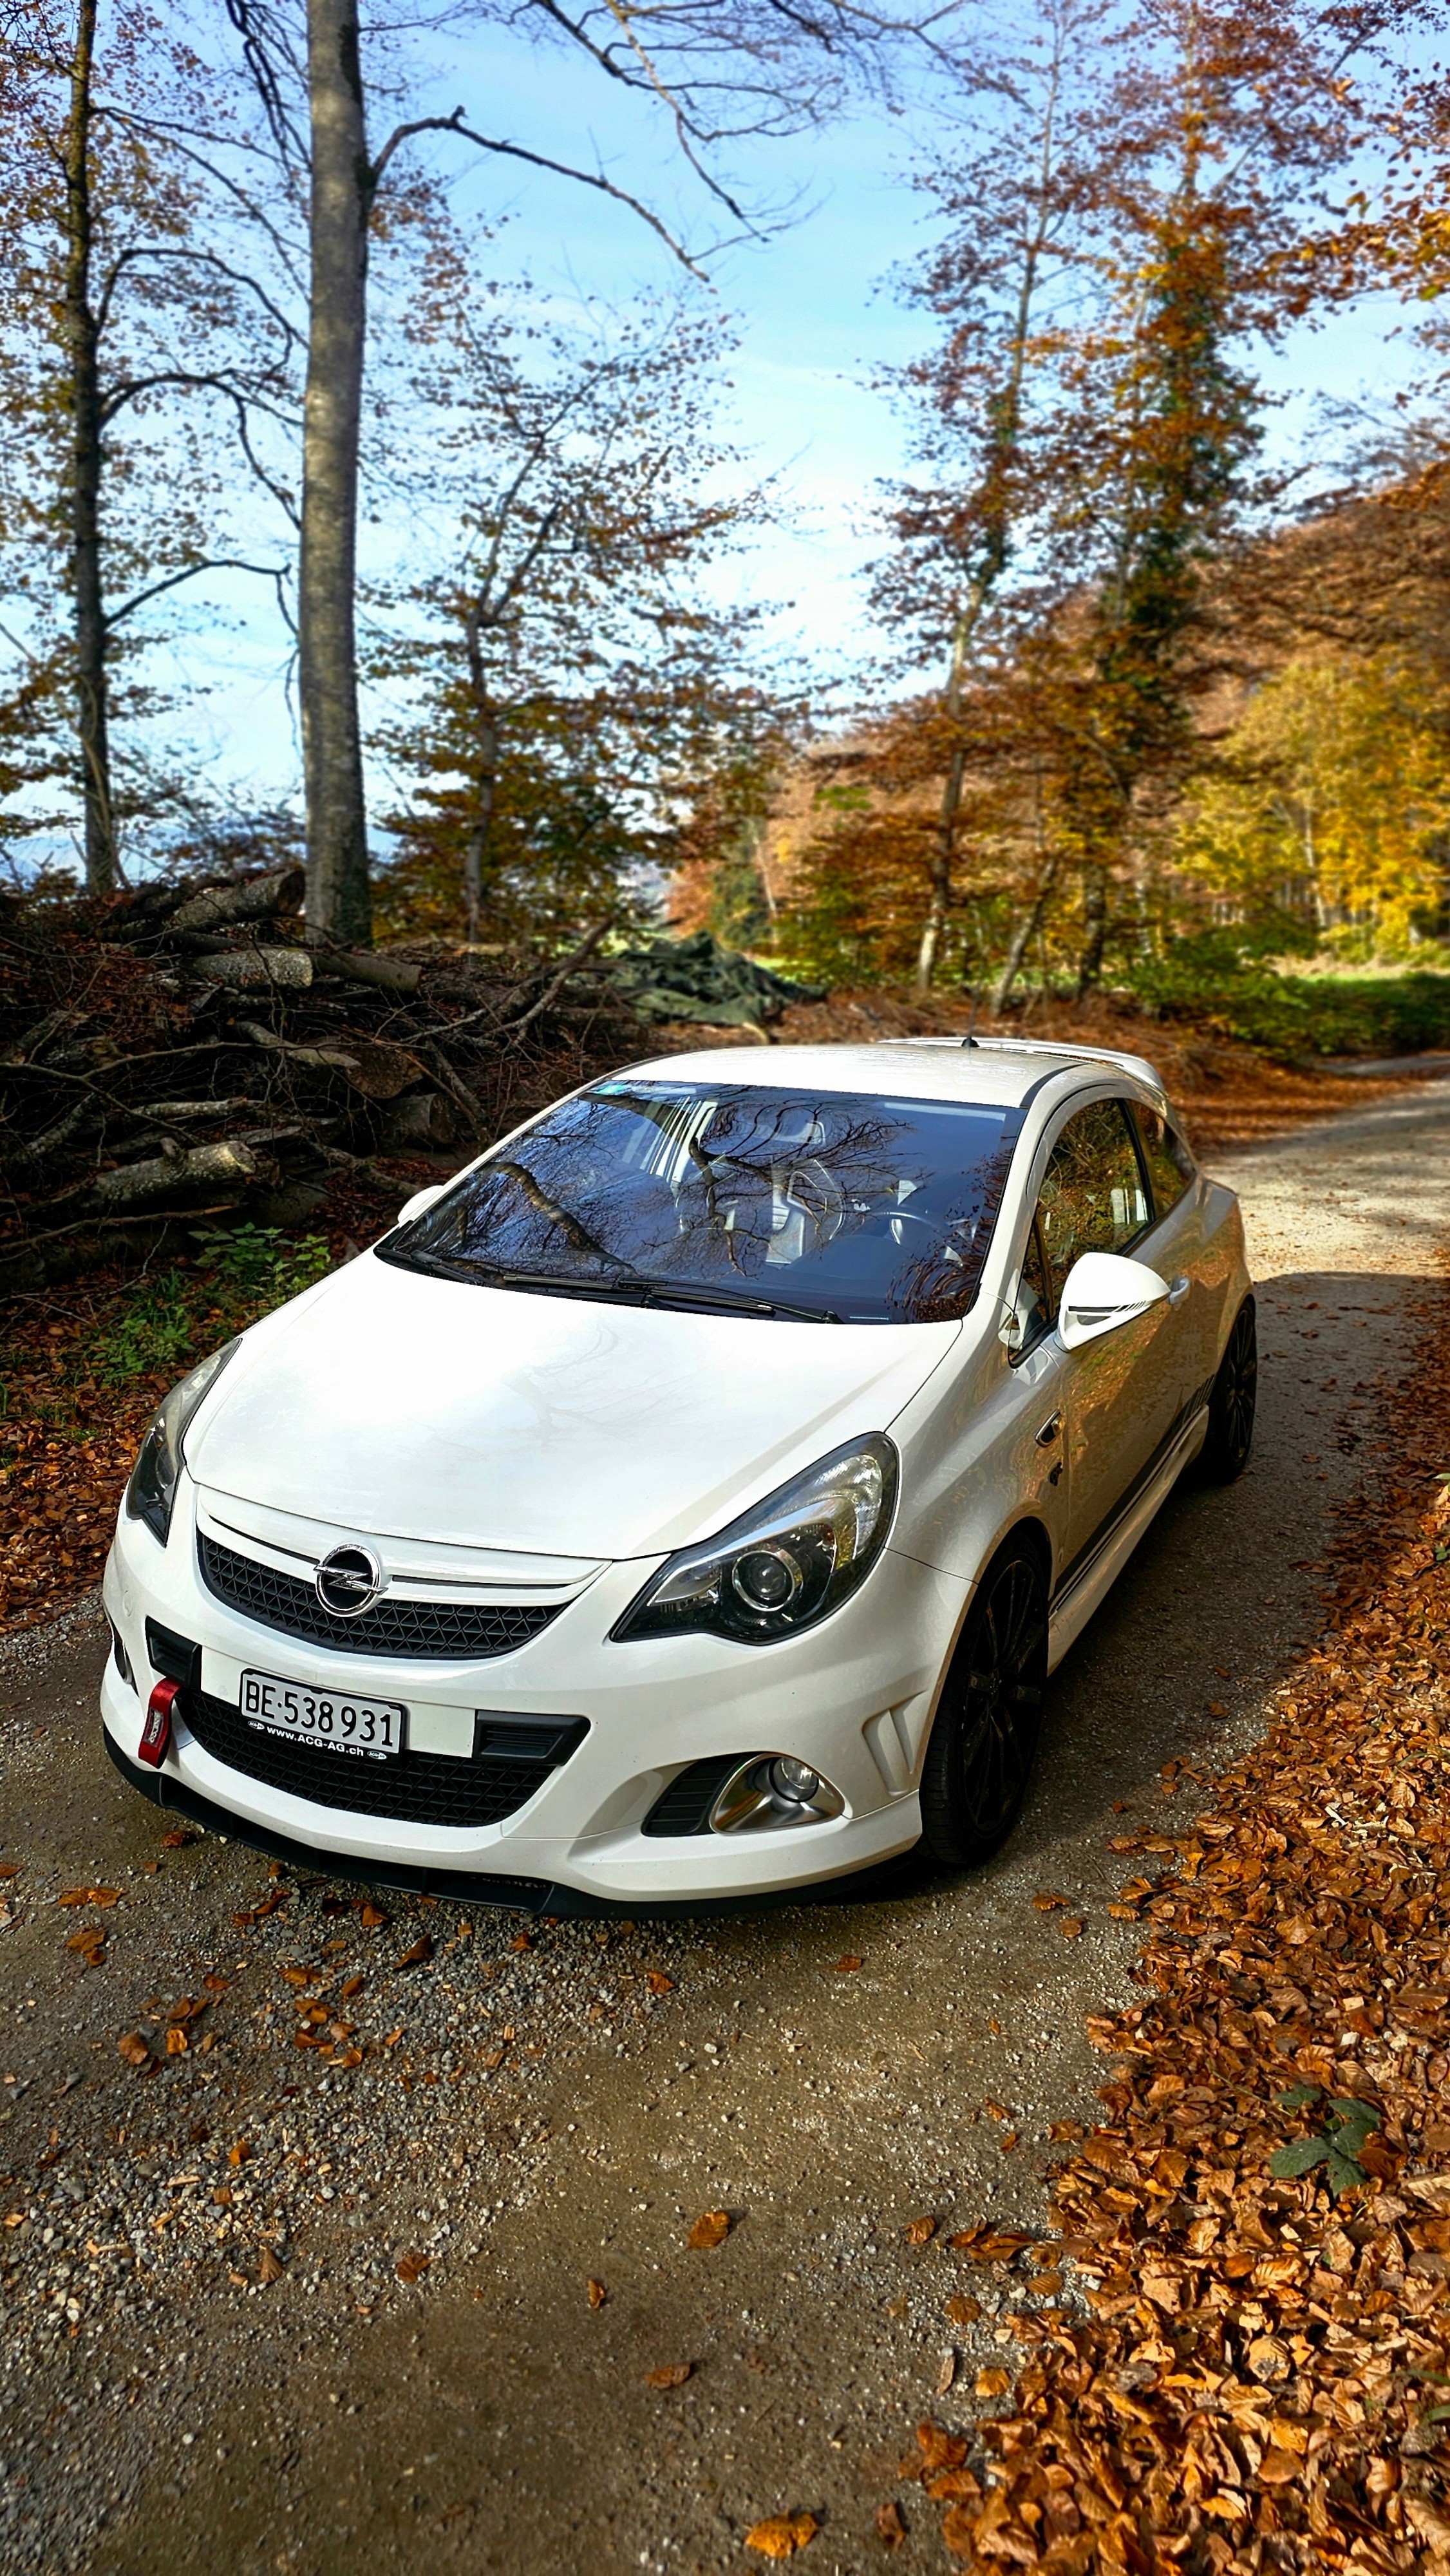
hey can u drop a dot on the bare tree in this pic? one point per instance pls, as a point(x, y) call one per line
point(124, 326)
point(716, 70)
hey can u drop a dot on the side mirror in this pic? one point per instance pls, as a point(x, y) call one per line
point(420, 1202)
point(1102, 1291)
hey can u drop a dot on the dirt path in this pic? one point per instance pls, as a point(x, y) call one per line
point(162, 2399)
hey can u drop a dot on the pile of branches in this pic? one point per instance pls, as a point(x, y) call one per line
point(179, 1054)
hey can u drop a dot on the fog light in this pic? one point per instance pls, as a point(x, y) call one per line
point(794, 1780)
point(770, 1790)
point(766, 1578)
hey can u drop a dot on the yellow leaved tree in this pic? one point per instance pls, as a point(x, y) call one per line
point(1331, 800)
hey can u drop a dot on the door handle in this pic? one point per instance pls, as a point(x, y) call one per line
point(1178, 1288)
point(1049, 1431)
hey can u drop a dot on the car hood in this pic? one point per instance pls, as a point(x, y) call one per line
point(397, 1405)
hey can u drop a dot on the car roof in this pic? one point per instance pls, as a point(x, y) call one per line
point(998, 1071)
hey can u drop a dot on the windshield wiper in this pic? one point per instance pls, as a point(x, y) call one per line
point(630, 1285)
point(683, 1291)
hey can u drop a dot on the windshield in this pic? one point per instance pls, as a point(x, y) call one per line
point(826, 1205)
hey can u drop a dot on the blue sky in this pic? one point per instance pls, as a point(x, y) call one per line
point(816, 318)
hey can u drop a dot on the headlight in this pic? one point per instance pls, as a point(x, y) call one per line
point(152, 1489)
point(791, 1561)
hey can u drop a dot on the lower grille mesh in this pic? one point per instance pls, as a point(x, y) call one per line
point(434, 1628)
point(412, 1788)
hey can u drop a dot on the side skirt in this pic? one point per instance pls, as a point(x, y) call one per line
point(1073, 1605)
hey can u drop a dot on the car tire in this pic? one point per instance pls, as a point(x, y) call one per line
point(1230, 1434)
point(982, 1745)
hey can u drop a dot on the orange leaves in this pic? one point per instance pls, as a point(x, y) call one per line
point(269, 2269)
point(891, 2527)
point(920, 2231)
point(134, 2049)
point(1248, 2360)
point(658, 1983)
point(90, 1941)
point(371, 1916)
point(783, 2534)
point(845, 1967)
point(670, 2374)
point(411, 2267)
point(89, 1896)
point(596, 2293)
point(709, 2231)
point(421, 1952)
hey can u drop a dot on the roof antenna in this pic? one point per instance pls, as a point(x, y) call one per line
point(969, 1040)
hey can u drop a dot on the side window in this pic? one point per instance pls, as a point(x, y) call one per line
point(1092, 1199)
point(1170, 1164)
point(1036, 1308)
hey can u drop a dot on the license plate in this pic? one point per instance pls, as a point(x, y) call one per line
point(336, 1720)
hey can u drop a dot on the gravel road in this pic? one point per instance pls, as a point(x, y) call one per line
point(265, 2306)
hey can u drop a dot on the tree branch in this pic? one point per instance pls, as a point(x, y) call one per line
point(538, 161)
point(213, 563)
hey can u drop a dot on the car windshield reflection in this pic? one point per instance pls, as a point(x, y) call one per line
point(834, 1206)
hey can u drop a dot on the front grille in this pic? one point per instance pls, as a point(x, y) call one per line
point(412, 1788)
point(425, 1628)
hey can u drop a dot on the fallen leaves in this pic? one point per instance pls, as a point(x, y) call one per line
point(411, 2267)
point(709, 2231)
point(89, 1896)
point(658, 1983)
point(782, 2534)
point(920, 2231)
point(269, 2269)
point(1258, 2229)
point(90, 1942)
point(845, 1967)
point(421, 1952)
point(670, 2374)
point(891, 2524)
point(134, 2049)
point(596, 2293)
point(371, 1917)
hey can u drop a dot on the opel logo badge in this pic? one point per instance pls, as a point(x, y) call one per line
point(349, 1580)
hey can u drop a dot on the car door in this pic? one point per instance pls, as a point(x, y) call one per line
point(1176, 1248)
point(1121, 1394)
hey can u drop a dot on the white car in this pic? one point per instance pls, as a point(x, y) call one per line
point(688, 1501)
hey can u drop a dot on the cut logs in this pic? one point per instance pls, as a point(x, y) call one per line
point(178, 1054)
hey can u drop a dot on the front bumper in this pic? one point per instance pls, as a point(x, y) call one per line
point(853, 1698)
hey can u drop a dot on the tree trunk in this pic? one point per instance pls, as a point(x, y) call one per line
point(1095, 926)
point(82, 337)
point(475, 849)
point(1024, 934)
point(339, 900)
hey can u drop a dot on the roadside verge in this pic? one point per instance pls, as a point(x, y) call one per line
point(1256, 2363)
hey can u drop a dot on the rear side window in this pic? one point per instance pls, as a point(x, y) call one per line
point(1170, 1164)
point(1092, 1197)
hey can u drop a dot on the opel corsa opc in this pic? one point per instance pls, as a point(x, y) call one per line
point(690, 1499)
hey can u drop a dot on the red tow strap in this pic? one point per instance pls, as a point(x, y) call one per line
point(156, 1733)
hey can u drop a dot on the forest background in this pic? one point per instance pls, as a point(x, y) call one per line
point(1152, 689)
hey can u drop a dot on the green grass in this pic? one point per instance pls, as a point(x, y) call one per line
point(1212, 977)
point(165, 1323)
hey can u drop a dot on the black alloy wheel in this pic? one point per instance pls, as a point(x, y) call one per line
point(1230, 1435)
point(984, 1740)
